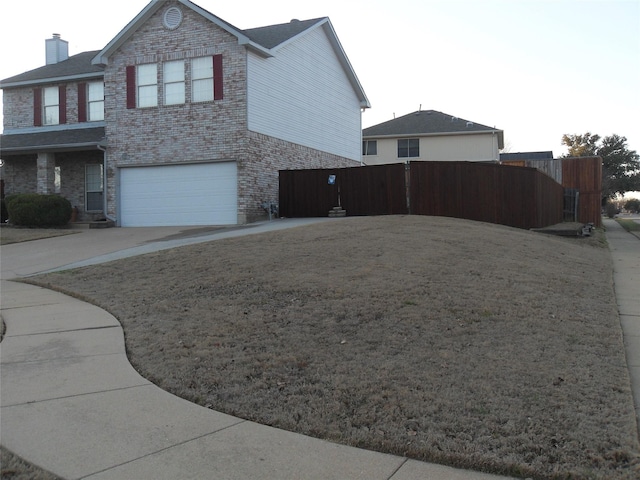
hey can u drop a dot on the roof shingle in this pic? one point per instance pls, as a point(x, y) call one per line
point(79, 64)
point(424, 122)
point(75, 138)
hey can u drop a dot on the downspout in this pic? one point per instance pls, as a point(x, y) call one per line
point(104, 182)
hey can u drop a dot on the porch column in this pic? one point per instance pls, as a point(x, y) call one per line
point(46, 173)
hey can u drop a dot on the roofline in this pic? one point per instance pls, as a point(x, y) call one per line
point(50, 148)
point(326, 24)
point(102, 58)
point(64, 78)
point(435, 134)
point(54, 128)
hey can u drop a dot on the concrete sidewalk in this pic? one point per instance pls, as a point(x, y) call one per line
point(72, 404)
point(625, 253)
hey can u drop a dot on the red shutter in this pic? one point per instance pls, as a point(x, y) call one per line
point(37, 107)
point(82, 102)
point(131, 86)
point(62, 104)
point(217, 78)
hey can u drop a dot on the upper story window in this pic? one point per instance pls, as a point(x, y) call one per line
point(174, 85)
point(95, 101)
point(51, 105)
point(408, 147)
point(202, 79)
point(369, 147)
point(147, 86)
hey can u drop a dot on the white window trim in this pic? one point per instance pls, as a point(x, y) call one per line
point(179, 80)
point(205, 79)
point(95, 103)
point(152, 83)
point(88, 189)
point(54, 108)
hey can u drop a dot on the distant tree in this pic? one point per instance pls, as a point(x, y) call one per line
point(633, 205)
point(581, 145)
point(620, 166)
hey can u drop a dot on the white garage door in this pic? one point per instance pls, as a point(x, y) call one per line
point(168, 195)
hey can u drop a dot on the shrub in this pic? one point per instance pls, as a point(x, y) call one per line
point(34, 210)
point(3, 211)
point(611, 210)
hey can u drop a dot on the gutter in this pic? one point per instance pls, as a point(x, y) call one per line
point(62, 79)
point(436, 134)
point(50, 148)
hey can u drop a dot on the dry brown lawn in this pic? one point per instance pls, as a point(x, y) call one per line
point(469, 344)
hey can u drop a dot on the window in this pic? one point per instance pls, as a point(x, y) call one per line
point(95, 101)
point(93, 187)
point(51, 105)
point(409, 147)
point(57, 184)
point(202, 79)
point(369, 147)
point(174, 83)
point(147, 76)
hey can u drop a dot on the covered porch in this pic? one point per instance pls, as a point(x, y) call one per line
point(69, 163)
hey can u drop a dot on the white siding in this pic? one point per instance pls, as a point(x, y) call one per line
point(302, 95)
point(468, 148)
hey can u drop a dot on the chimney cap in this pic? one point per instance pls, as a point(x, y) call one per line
point(56, 35)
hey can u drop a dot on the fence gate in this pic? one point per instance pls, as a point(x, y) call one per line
point(570, 205)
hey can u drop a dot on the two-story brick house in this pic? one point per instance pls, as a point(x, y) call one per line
point(182, 119)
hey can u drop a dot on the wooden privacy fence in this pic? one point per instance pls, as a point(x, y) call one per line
point(375, 190)
point(516, 196)
point(584, 174)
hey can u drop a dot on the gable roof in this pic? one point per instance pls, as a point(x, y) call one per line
point(424, 122)
point(263, 40)
point(75, 67)
point(429, 122)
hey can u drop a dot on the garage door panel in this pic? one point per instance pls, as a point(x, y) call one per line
point(199, 194)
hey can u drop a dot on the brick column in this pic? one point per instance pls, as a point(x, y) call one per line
point(46, 173)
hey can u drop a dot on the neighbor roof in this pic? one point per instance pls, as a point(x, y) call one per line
point(425, 122)
point(546, 155)
point(75, 67)
point(71, 139)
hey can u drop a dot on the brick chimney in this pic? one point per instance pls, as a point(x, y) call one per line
point(57, 49)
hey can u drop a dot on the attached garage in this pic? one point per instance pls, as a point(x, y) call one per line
point(175, 195)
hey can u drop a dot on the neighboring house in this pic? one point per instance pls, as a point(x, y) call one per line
point(182, 119)
point(430, 135)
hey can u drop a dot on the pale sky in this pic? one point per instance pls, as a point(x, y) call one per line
point(536, 69)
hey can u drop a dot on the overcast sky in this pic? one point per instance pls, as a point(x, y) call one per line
point(534, 68)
